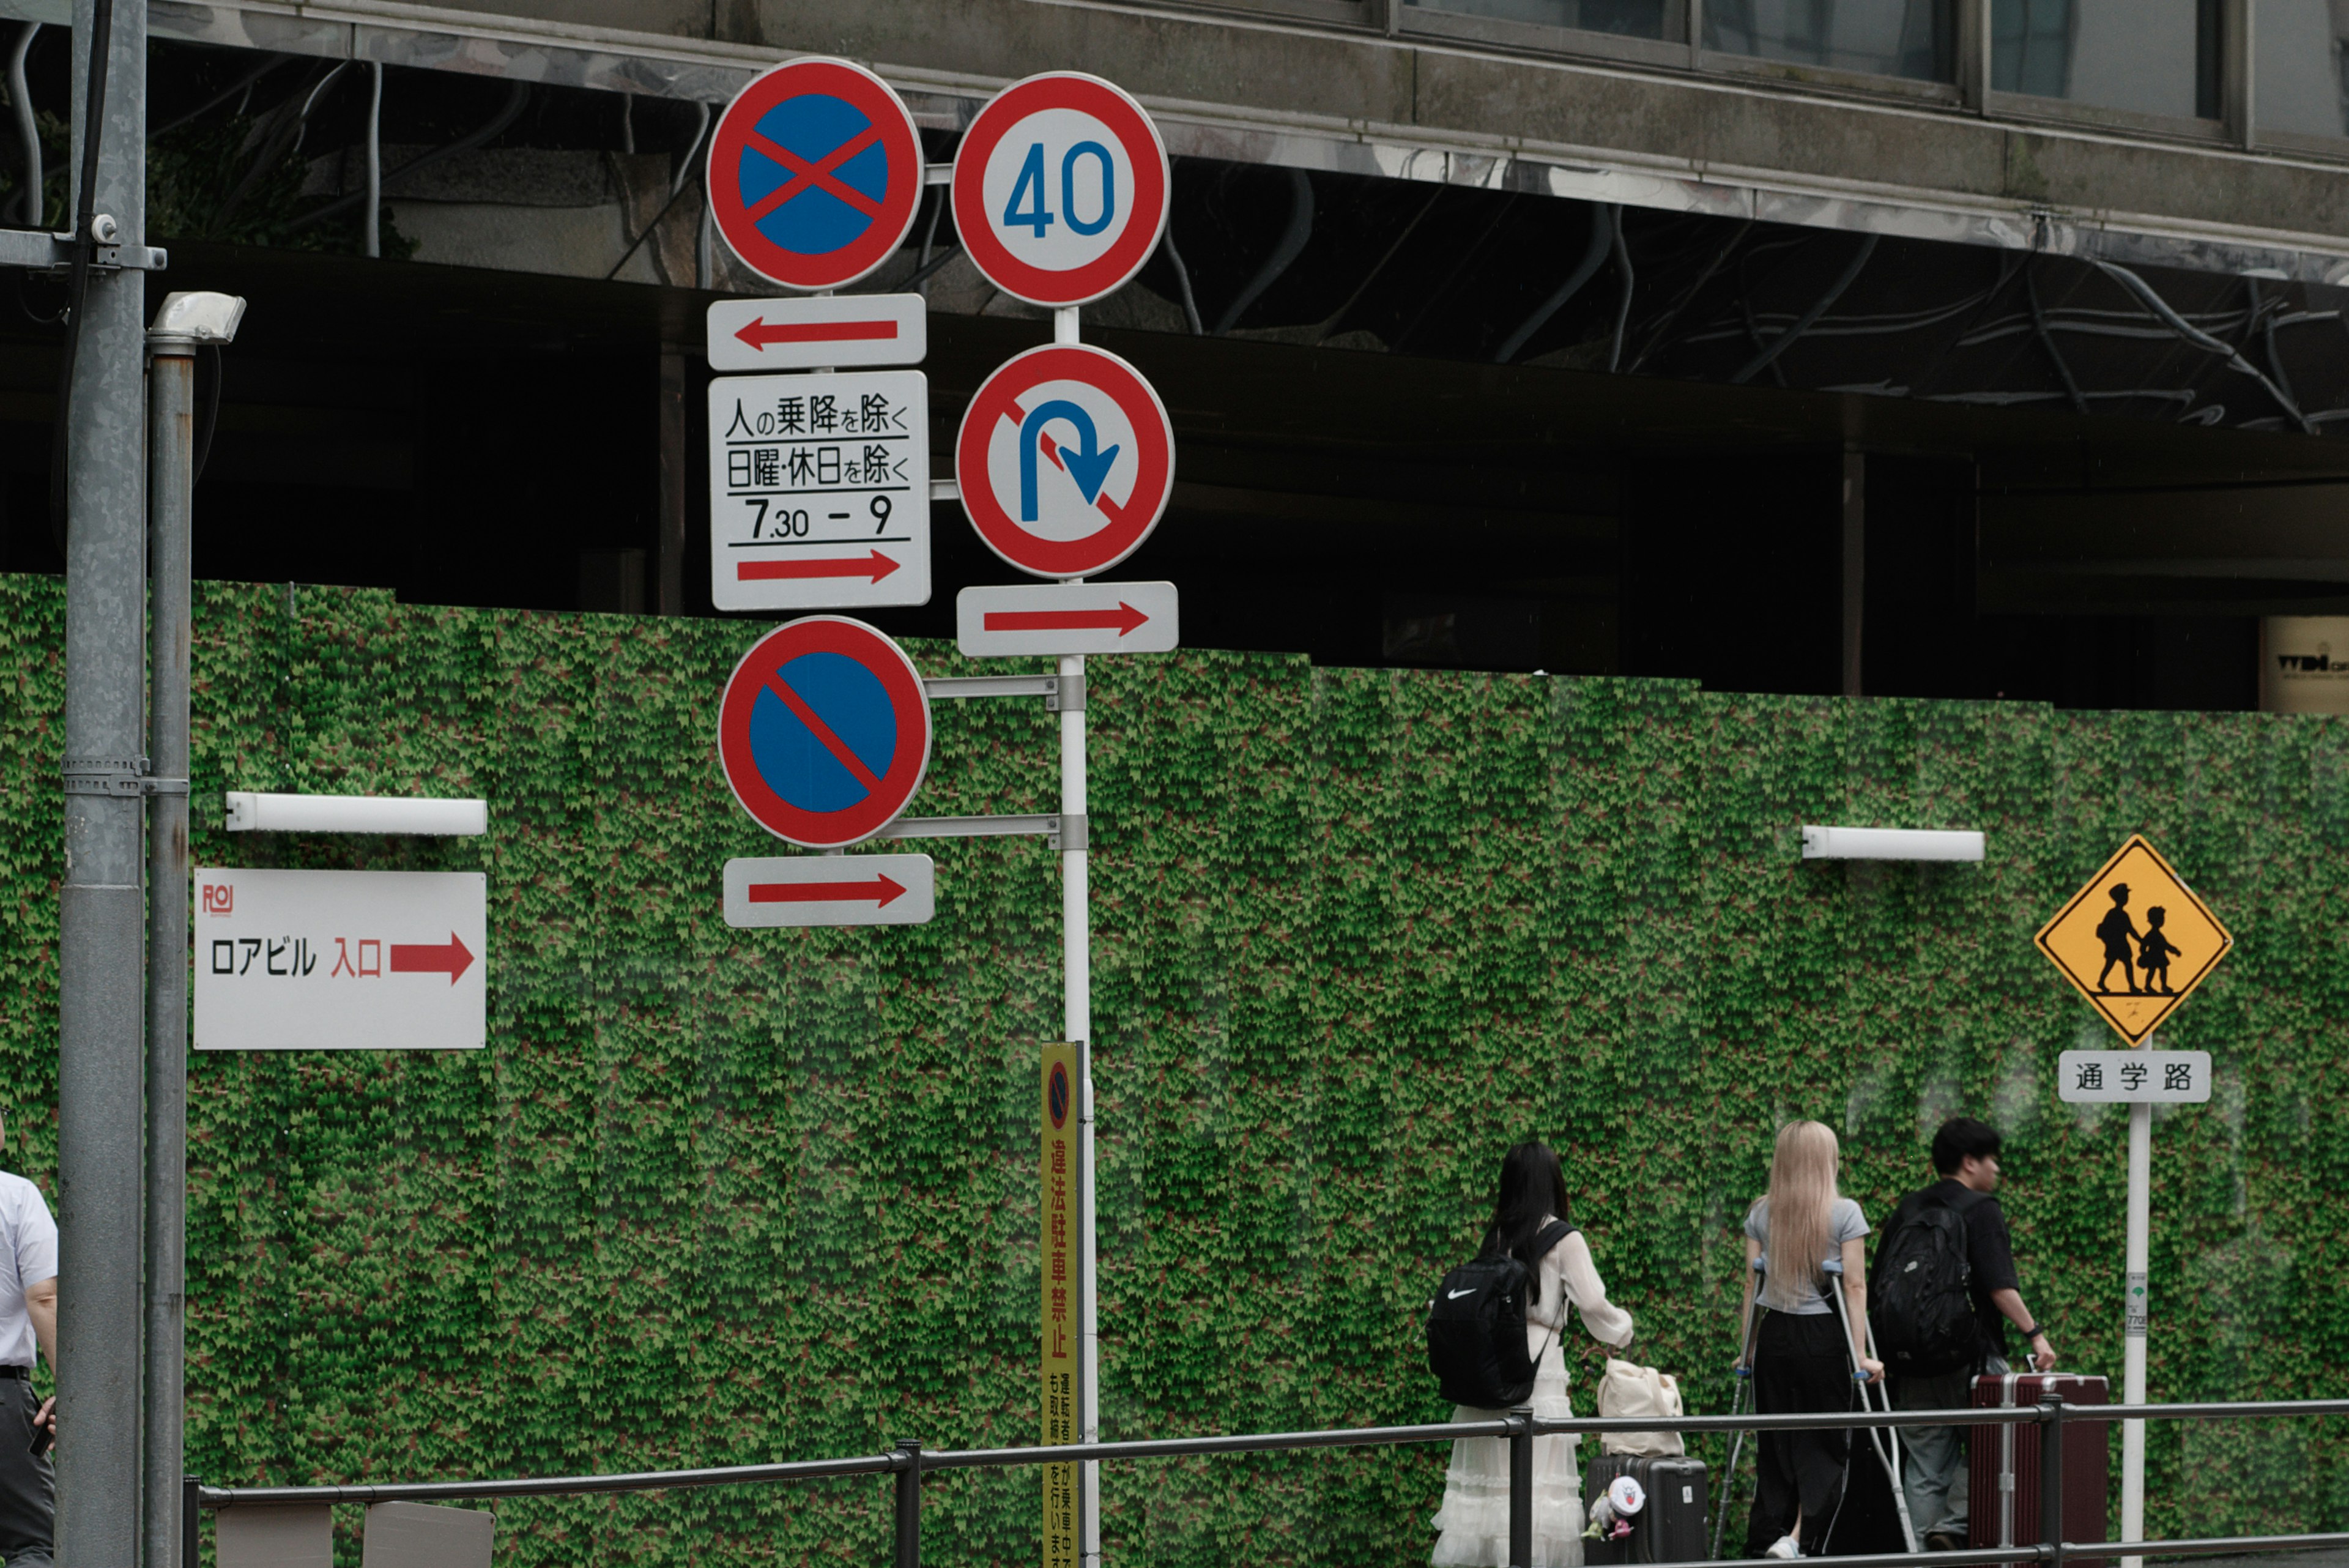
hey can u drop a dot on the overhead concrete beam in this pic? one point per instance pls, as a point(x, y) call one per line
point(1406, 108)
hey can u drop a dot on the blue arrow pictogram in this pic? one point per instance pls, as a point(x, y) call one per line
point(1089, 468)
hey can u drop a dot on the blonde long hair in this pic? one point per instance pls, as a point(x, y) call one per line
point(1802, 1204)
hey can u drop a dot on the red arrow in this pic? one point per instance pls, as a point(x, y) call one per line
point(419, 957)
point(874, 565)
point(1124, 618)
point(881, 890)
point(761, 333)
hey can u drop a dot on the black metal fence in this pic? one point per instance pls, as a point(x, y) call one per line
point(909, 1462)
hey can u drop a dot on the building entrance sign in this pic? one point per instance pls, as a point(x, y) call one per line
point(341, 961)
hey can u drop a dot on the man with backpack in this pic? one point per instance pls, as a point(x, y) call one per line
point(1941, 1292)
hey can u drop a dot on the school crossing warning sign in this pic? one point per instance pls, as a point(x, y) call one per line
point(2135, 941)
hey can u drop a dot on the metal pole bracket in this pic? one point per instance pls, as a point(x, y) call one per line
point(1055, 690)
point(119, 778)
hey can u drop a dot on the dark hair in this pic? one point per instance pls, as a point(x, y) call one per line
point(1532, 1189)
point(1963, 1138)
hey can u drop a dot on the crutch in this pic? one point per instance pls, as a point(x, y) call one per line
point(1885, 1440)
point(1744, 1371)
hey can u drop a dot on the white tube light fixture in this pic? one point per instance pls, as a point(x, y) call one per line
point(1891, 844)
point(253, 813)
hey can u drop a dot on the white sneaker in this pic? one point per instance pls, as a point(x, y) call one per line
point(1785, 1546)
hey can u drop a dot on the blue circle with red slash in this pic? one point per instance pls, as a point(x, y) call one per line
point(815, 170)
point(824, 731)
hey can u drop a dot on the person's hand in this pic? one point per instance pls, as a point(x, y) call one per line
point(1873, 1368)
point(2043, 1357)
point(46, 1415)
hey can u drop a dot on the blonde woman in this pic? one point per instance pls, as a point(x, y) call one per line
point(1801, 1360)
point(1473, 1523)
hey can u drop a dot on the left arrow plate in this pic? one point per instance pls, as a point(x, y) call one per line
point(819, 491)
point(832, 890)
point(828, 331)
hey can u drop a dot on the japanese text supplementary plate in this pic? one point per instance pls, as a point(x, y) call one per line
point(819, 491)
point(2130, 1078)
point(341, 961)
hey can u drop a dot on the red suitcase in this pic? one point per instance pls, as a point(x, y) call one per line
point(2003, 1465)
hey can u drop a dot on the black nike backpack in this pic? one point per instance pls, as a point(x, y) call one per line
point(1919, 1300)
point(1477, 1328)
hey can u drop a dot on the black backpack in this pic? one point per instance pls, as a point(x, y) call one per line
point(1477, 1328)
point(1920, 1303)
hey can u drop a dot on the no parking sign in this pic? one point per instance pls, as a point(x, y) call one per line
point(1060, 189)
point(815, 170)
point(824, 731)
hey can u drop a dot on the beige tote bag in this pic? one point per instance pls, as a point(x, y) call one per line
point(1629, 1389)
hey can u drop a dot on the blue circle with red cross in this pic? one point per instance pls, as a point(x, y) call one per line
point(815, 170)
point(824, 731)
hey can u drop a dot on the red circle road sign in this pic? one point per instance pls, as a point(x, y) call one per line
point(1060, 189)
point(1065, 459)
point(824, 731)
point(815, 170)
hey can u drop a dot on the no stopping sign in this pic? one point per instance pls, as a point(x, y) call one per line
point(1060, 189)
point(815, 170)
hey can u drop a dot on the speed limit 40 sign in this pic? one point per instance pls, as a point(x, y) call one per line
point(1060, 189)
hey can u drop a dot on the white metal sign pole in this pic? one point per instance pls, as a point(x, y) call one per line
point(1077, 981)
point(2140, 1226)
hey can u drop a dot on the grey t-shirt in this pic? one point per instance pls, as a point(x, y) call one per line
point(1845, 1223)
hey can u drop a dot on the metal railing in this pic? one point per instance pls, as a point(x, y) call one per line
point(909, 1462)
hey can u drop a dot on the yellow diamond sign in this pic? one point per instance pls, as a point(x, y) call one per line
point(2135, 941)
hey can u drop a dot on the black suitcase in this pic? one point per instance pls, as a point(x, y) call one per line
point(1671, 1528)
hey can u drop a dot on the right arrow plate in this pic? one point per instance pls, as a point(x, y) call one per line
point(832, 890)
point(1067, 618)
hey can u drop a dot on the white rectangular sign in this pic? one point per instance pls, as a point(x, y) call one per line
point(832, 331)
point(341, 961)
point(1066, 617)
point(832, 890)
point(819, 491)
point(2156, 1078)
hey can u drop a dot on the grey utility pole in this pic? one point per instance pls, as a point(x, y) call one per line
point(185, 323)
point(101, 967)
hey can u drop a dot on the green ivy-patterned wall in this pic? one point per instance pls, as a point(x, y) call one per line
point(714, 1195)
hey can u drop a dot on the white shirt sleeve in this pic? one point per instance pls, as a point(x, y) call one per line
point(1568, 1274)
point(36, 1239)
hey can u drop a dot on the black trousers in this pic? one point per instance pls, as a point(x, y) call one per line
point(1800, 1363)
point(28, 1486)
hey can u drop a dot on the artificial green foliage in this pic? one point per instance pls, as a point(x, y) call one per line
point(715, 1196)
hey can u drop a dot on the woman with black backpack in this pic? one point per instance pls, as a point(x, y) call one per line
point(1531, 1226)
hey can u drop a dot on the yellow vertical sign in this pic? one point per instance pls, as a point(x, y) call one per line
point(1058, 1316)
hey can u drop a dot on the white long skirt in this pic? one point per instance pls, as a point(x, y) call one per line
point(1473, 1523)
